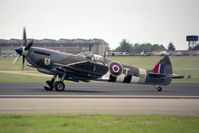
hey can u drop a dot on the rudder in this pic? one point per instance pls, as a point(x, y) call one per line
point(163, 67)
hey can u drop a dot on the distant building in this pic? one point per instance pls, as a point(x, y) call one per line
point(156, 53)
point(74, 46)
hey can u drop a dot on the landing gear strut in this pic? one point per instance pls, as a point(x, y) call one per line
point(59, 85)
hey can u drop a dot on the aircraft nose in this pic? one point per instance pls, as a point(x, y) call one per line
point(19, 50)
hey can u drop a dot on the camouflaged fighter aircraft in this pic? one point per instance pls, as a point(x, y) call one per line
point(87, 66)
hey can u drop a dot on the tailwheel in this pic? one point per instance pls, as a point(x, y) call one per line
point(159, 89)
point(59, 86)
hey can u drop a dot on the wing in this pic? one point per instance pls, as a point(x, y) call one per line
point(84, 70)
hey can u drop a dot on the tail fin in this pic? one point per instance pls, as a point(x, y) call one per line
point(163, 67)
point(161, 73)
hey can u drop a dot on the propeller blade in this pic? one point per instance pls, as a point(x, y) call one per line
point(29, 45)
point(24, 36)
point(23, 62)
point(15, 60)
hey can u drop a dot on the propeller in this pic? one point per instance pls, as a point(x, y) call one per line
point(23, 62)
point(16, 59)
point(29, 45)
point(24, 37)
point(23, 50)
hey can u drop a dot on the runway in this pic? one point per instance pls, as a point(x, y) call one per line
point(85, 90)
point(99, 98)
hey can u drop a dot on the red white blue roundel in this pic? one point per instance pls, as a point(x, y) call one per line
point(115, 69)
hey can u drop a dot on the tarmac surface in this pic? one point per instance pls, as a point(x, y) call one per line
point(99, 98)
point(107, 90)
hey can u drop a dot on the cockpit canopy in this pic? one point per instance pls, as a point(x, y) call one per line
point(91, 56)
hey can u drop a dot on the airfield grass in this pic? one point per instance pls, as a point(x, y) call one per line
point(99, 124)
point(182, 65)
point(6, 64)
point(16, 78)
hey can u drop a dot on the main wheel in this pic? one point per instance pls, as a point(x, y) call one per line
point(48, 88)
point(59, 86)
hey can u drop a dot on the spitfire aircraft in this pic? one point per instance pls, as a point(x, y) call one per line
point(87, 66)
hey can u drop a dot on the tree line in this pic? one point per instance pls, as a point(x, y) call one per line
point(126, 46)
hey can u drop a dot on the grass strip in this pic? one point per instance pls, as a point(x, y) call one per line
point(99, 124)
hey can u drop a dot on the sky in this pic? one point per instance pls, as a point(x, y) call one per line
point(138, 21)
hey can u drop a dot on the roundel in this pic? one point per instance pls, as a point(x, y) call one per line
point(115, 68)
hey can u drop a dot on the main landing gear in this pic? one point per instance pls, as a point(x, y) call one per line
point(159, 88)
point(59, 85)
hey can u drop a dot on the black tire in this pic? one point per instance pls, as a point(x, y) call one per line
point(48, 88)
point(59, 86)
point(50, 84)
point(159, 89)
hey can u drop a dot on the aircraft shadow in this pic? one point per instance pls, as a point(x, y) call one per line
point(71, 91)
point(84, 91)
